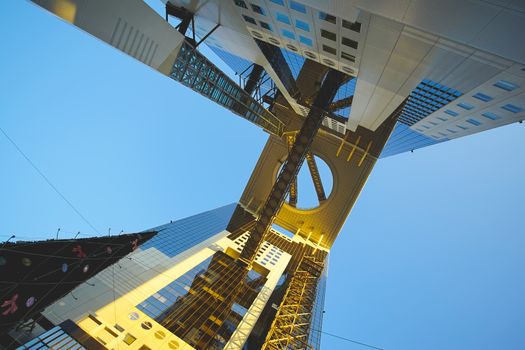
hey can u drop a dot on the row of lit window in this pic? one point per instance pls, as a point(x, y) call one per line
point(488, 115)
point(354, 26)
point(302, 26)
point(502, 84)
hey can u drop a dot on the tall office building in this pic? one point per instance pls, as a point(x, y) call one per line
point(180, 290)
point(344, 81)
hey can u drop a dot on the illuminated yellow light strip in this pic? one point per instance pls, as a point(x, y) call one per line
point(319, 243)
point(343, 141)
point(364, 154)
point(353, 148)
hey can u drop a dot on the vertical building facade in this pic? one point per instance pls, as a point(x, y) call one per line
point(180, 290)
point(348, 81)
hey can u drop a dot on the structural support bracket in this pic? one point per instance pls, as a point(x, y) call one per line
point(293, 163)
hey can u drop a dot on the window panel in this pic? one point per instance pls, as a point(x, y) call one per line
point(512, 108)
point(473, 122)
point(265, 25)
point(491, 116)
point(240, 3)
point(288, 34)
point(302, 25)
point(349, 42)
point(258, 9)
point(348, 57)
point(452, 113)
point(466, 106)
point(355, 26)
point(505, 85)
point(329, 49)
point(306, 41)
point(328, 35)
point(326, 17)
point(483, 97)
point(249, 19)
point(297, 7)
point(282, 18)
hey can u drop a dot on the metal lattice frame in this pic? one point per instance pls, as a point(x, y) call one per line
point(293, 163)
point(316, 177)
point(195, 71)
point(290, 138)
point(292, 325)
point(340, 104)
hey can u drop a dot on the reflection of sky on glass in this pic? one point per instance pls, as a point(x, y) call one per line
point(435, 241)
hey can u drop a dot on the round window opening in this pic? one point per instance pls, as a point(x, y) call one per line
point(146, 325)
point(313, 186)
point(160, 335)
point(173, 344)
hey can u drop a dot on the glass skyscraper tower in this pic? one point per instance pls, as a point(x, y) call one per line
point(169, 293)
point(343, 81)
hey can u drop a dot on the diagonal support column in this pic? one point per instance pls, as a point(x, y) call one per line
point(316, 178)
point(195, 71)
point(292, 164)
point(253, 79)
point(293, 187)
point(340, 104)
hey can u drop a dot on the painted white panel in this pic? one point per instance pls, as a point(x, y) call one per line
point(504, 35)
point(457, 19)
point(337, 8)
point(381, 39)
point(128, 25)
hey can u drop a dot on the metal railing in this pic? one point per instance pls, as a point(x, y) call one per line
point(195, 71)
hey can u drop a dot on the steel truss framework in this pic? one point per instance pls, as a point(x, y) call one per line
point(195, 71)
point(293, 163)
point(292, 324)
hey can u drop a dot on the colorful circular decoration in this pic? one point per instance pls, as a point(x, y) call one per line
point(85, 268)
point(133, 316)
point(64, 267)
point(26, 262)
point(30, 301)
point(3, 261)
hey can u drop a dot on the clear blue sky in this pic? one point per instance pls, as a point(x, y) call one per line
point(432, 256)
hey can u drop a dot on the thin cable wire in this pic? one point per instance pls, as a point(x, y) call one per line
point(348, 340)
point(48, 181)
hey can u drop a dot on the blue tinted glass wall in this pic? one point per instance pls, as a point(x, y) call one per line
point(404, 139)
point(425, 99)
point(178, 236)
point(295, 61)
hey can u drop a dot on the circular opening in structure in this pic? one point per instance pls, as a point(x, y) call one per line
point(146, 325)
point(348, 70)
point(310, 55)
point(173, 344)
point(274, 41)
point(160, 335)
point(308, 195)
point(291, 47)
point(257, 35)
point(133, 316)
point(328, 62)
